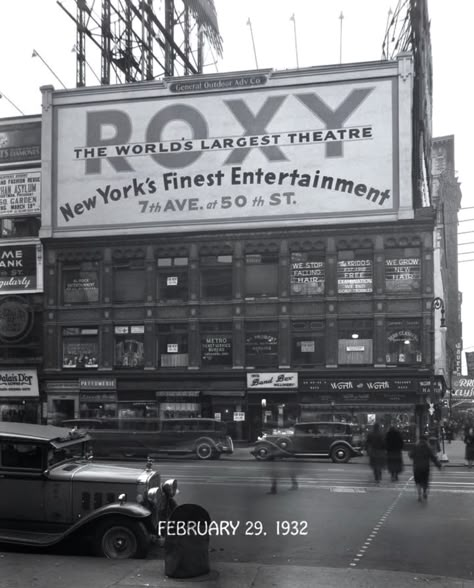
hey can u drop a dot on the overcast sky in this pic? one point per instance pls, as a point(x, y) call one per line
point(42, 25)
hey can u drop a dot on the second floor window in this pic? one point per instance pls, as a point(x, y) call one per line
point(355, 342)
point(80, 347)
point(172, 278)
point(129, 282)
point(81, 284)
point(216, 277)
point(129, 346)
point(403, 342)
point(261, 275)
point(173, 345)
point(354, 272)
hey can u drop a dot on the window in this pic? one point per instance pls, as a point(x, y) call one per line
point(129, 346)
point(261, 275)
point(21, 455)
point(307, 274)
point(81, 284)
point(172, 278)
point(355, 341)
point(173, 345)
point(261, 344)
point(403, 269)
point(354, 272)
point(307, 343)
point(129, 282)
point(11, 228)
point(216, 344)
point(80, 347)
point(216, 277)
point(403, 342)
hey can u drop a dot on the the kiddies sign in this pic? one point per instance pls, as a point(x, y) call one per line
point(302, 149)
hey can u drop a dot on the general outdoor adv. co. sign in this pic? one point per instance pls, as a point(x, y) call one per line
point(297, 150)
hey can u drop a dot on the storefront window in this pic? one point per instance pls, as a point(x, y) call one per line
point(261, 275)
point(183, 404)
point(355, 342)
point(173, 345)
point(307, 343)
point(403, 269)
point(129, 283)
point(354, 272)
point(261, 344)
point(216, 344)
point(81, 284)
point(403, 342)
point(307, 274)
point(96, 405)
point(216, 277)
point(129, 346)
point(172, 278)
point(80, 347)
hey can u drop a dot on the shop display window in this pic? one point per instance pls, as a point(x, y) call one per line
point(216, 344)
point(307, 274)
point(261, 275)
point(129, 282)
point(80, 285)
point(261, 344)
point(129, 346)
point(172, 279)
point(307, 343)
point(354, 271)
point(80, 347)
point(403, 342)
point(216, 277)
point(173, 345)
point(355, 342)
point(403, 269)
point(97, 405)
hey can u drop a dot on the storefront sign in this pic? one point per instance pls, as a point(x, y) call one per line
point(354, 276)
point(18, 383)
point(402, 273)
point(463, 387)
point(21, 268)
point(16, 318)
point(272, 380)
point(97, 383)
point(258, 343)
point(20, 142)
point(386, 385)
point(20, 193)
point(318, 147)
point(239, 416)
point(307, 277)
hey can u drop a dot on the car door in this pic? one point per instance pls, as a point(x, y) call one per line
point(22, 483)
point(322, 438)
point(303, 440)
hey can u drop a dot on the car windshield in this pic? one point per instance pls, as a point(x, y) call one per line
point(60, 454)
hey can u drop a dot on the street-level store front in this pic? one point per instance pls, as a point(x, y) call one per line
point(407, 403)
point(19, 395)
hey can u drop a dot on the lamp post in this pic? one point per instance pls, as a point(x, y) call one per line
point(436, 304)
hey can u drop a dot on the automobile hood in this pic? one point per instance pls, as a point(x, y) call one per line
point(100, 472)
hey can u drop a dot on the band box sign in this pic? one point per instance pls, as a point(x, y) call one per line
point(303, 149)
point(272, 380)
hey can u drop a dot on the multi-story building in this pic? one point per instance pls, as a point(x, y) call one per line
point(251, 246)
point(21, 269)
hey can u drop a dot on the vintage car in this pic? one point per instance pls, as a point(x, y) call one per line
point(336, 440)
point(51, 489)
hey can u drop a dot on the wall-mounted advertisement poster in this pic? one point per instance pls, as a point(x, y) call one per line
point(80, 286)
point(20, 193)
point(402, 273)
point(21, 268)
point(307, 275)
point(354, 276)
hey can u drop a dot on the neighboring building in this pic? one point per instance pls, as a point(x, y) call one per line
point(249, 245)
point(21, 269)
point(470, 363)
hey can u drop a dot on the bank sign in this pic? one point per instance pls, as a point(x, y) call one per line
point(301, 149)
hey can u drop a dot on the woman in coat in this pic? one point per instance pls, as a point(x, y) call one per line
point(469, 441)
point(376, 451)
point(422, 456)
point(394, 447)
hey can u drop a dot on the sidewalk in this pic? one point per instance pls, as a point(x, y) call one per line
point(454, 451)
point(49, 571)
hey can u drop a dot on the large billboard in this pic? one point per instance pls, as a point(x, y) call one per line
point(306, 147)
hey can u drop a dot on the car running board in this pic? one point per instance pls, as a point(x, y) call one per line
point(32, 538)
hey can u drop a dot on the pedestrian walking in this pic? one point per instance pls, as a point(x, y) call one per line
point(469, 442)
point(422, 455)
point(394, 448)
point(277, 469)
point(375, 445)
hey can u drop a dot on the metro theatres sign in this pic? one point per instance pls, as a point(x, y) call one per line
point(305, 147)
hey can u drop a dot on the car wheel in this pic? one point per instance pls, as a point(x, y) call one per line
point(340, 454)
point(262, 453)
point(121, 538)
point(204, 450)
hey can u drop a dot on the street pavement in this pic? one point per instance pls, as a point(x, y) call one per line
point(361, 535)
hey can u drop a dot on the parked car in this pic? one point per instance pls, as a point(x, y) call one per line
point(52, 489)
point(141, 437)
point(339, 441)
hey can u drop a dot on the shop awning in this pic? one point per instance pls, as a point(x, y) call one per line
point(180, 393)
point(271, 391)
point(235, 393)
